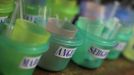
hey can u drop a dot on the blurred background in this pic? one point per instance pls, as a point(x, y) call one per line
point(69, 37)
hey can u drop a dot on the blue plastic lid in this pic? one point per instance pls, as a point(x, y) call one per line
point(125, 16)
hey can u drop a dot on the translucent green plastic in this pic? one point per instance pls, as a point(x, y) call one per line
point(34, 7)
point(19, 58)
point(29, 32)
point(21, 51)
point(85, 58)
point(35, 11)
point(64, 9)
point(91, 26)
point(123, 38)
point(50, 61)
point(6, 7)
point(129, 51)
point(95, 49)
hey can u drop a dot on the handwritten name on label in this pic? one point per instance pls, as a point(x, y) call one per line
point(3, 19)
point(29, 62)
point(120, 46)
point(99, 53)
point(64, 52)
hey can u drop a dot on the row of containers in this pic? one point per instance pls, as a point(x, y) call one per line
point(41, 32)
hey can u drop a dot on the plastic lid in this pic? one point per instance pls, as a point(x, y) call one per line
point(61, 28)
point(125, 16)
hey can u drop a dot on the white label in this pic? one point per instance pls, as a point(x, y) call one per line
point(2, 19)
point(99, 53)
point(120, 46)
point(29, 62)
point(65, 52)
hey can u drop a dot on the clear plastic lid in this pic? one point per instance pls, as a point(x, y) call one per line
point(61, 28)
point(125, 16)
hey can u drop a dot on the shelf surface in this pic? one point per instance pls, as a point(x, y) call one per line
point(116, 67)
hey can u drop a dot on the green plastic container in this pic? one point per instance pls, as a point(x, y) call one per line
point(129, 51)
point(21, 52)
point(59, 54)
point(29, 32)
point(94, 26)
point(6, 8)
point(92, 53)
point(19, 58)
point(35, 11)
point(63, 9)
point(122, 38)
point(95, 49)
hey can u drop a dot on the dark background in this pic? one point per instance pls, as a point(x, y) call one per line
point(123, 2)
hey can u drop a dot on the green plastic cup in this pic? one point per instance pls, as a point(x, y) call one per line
point(95, 49)
point(29, 32)
point(129, 50)
point(23, 49)
point(63, 45)
point(92, 53)
point(59, 54)
point(35, 11)
point(19, 58)
point(123, 37)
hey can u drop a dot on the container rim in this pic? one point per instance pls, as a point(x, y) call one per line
point(77, 41)
point(22, 47)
